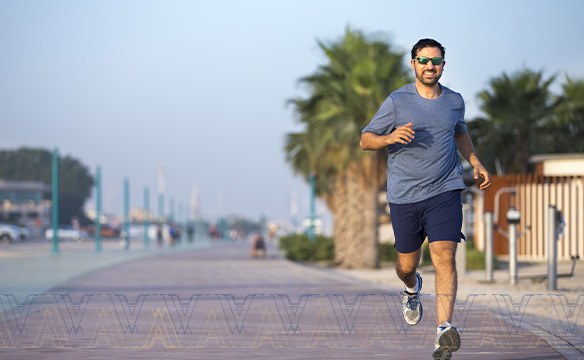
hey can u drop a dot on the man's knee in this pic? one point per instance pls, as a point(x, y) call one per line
point(404, 272)
point(407, 264)
point(443, 253)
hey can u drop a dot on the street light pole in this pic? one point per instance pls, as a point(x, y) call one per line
point(55, 194)
point(146, 216)
point(311, 231)
point(98, 209)
point(127, 213)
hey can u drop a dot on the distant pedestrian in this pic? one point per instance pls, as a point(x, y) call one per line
point(422, 125)
point(177, 234)
point(159, 234)
point(190, 233)
point(214, 233)
point(258, 246)
point(172, 233)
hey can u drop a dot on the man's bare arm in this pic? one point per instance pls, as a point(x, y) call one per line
point(467, 150)
point(372, 141)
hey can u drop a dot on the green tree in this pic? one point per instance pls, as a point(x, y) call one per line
point(75, 181)
point(344, 94)
point(518, 112)
point(568, 134)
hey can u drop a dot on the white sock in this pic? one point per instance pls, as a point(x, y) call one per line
point(444, 324)
point(415, 289)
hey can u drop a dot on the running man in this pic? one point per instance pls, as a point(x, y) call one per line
point(422, 125)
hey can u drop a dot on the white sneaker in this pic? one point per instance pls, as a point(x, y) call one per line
point(447, 341)
point(411, 305)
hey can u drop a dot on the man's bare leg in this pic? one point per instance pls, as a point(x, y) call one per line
point(406, 266)
point(443, 258)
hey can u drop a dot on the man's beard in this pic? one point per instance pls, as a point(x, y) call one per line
point(427, 82)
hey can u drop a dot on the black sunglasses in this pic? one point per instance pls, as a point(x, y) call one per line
point(424, 60)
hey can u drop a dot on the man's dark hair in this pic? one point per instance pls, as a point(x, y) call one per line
point(424, 43)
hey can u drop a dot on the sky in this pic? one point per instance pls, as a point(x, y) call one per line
point(200, 87)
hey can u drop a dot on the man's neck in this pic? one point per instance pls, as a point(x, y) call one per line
point(428, 92)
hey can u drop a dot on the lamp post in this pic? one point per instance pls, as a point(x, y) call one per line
point(127, 213)
point(55, 194)
point(171, 209)
point(311, 231)
point(161, 207)
point(146, 216)
point(98, 209)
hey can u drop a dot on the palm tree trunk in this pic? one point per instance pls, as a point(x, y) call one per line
point(355, 221)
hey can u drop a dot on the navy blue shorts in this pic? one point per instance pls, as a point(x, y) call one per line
point(439, 218)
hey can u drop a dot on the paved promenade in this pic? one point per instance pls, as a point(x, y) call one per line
point(215, 302)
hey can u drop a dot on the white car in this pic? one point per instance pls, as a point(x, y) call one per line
point(66, 232)
point(11, 233)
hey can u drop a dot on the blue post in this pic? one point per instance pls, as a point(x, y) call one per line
point(187, 225)
point(98, 209)
point(55, 194)
point(127, 212)
point(171, 209)
point(146, 216)
point(179, 219)
point(311, 231)
point(161, 207)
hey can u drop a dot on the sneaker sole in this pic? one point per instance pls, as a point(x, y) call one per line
point(440, 355)
point(449, 342)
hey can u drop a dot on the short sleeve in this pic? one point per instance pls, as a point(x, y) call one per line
point(383, 122)
point(460, 127)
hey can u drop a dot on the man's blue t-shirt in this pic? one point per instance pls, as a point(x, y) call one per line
point(429, 165)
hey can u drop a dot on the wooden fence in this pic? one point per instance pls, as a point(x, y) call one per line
point(533, 195)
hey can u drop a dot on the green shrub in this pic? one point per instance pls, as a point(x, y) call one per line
point(475, 259)
point(298, 247)
point(387, 252)
point(426, 256)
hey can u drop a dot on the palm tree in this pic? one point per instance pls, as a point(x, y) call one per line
point(344, 94)
point(569, 132)
point(518, 109)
